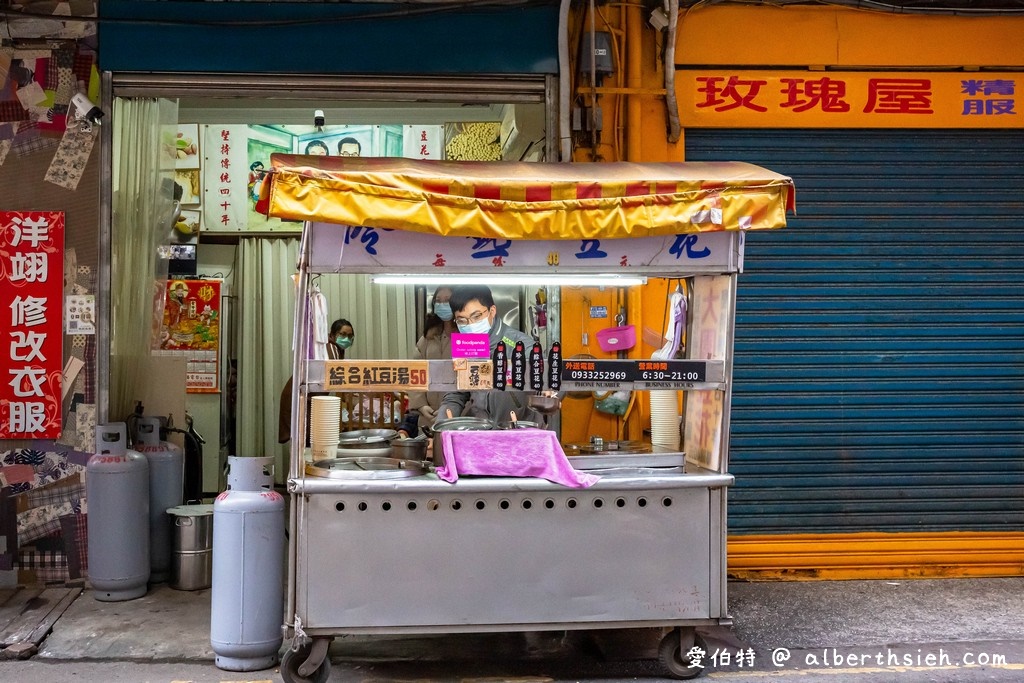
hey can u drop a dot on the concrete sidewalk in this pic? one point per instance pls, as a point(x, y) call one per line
point(848, 616)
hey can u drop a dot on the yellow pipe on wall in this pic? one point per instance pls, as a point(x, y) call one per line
point(634, 80)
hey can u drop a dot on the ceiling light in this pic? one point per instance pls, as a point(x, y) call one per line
point(594, 280)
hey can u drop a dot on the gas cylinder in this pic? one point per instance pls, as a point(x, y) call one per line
point(166, 486)
point(117, 491)
point(247, 594)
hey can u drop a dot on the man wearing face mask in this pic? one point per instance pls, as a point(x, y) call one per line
point(340, 338)
point(474, 312)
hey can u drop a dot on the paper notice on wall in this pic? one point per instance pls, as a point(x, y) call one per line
point(80, 314)
point(72, 156)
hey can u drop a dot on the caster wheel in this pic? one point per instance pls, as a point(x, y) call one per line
point(293, 659)
point(678, 664)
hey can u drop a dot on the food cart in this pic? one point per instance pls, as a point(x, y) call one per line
point(405, 552)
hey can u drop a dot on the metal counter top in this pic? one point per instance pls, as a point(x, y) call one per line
point(430, 483)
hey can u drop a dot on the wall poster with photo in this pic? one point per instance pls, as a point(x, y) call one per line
point(186, 146)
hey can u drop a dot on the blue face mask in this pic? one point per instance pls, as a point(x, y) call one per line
point(443, 311)
point(343, 342)
point(477, 327)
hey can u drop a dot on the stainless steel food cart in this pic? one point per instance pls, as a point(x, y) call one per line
point(403, 552)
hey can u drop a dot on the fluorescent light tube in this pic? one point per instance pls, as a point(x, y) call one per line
point(595, 280)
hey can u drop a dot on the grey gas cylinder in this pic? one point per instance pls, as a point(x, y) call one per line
point(117, 491)
point(166, 490)
point(247, 596)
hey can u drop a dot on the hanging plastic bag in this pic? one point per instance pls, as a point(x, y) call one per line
point(612, 402)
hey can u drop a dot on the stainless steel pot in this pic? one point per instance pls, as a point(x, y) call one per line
point(410, 449)
point(367, 438)
point(520, 424)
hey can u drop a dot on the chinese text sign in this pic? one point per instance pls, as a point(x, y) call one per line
point(31, 299)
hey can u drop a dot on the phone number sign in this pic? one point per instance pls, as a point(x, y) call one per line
point(376, 375)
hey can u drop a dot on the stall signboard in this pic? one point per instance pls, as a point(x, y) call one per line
point(592, 374)
point(376, 375)
point(31, 300)
point(191, 330)
point(372, 249)
point(848, 99)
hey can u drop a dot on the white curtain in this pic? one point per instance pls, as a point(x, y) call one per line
point(383, 317)
point(143, 185)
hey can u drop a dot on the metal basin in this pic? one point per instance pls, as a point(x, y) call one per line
point(371, 467)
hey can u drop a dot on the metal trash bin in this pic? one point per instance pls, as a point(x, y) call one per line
point(192, 556)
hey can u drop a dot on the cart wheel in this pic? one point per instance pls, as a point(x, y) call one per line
point(293, 659)
point(680, 665)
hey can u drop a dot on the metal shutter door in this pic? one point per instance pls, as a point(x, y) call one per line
point(879, 366)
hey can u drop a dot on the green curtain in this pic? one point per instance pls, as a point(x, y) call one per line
point(383, 317)
point(266, 305)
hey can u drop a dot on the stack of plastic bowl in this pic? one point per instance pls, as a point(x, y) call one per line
point(665, 419)
point(324, 427)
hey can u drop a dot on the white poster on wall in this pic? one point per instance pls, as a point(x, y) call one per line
point(228, 182)
point(422, 142)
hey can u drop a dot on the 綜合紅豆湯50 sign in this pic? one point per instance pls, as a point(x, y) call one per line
point(841, 99)
point(31, 299)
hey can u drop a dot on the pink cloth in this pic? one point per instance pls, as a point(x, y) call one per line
point(509, 453)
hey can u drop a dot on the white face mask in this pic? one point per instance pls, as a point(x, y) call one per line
point(443, 310)
point(477, 327)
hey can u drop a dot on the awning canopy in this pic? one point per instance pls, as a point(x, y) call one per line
point(537, 201)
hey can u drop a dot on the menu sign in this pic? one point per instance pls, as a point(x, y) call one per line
point(31, 300)
point(376, 375)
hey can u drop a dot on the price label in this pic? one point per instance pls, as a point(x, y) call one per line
point(536, 368)
point(555, 366)
point(519, 366)
point(500, 365)
point(379, 375)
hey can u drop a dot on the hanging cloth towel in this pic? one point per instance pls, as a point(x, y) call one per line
point(509, 453)
point(318, 318)
point(674, 328)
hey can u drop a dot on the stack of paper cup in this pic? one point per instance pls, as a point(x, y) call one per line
point(324, 426)
point(665, 419)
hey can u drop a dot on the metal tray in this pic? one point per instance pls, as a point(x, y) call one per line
point(644, 460)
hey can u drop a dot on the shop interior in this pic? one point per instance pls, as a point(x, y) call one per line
point(237, 355)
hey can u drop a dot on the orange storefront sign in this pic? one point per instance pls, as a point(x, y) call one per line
point(845, 99)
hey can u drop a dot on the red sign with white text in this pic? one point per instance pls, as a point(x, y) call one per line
point(32, 301)
point(849, 99)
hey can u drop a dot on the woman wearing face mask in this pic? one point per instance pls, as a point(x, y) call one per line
point(436, 343)
point(474, 312)
point(341, 337)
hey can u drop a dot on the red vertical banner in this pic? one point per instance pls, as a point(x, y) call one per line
point(32, 302)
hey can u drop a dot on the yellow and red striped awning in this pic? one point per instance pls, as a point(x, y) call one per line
point(539, 201)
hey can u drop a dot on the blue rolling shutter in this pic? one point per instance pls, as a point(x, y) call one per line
point(879, 367)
